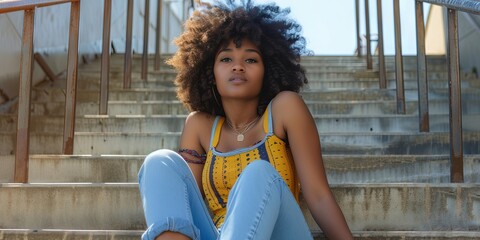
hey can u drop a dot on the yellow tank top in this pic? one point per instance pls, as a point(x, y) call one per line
point(222, 169)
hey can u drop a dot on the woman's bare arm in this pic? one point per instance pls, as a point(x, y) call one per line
point(294, 120)
point(196, 136)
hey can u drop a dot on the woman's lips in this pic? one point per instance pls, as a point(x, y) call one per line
point(237, 79)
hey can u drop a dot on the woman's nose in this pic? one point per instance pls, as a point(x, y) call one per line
point(238, 67)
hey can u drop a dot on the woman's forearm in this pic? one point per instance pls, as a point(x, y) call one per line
point(329, 217)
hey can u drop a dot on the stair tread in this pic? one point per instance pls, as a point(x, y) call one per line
point(33, 234)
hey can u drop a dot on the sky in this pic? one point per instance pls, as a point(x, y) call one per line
point(329, 25)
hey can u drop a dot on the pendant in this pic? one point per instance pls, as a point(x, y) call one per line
point(240, 138)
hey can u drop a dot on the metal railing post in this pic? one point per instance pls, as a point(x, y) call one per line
point(72, 65)
point(127, 71)
point(158, 36)
point(357, 23)
point(381, 54)
point(456, 138)
point(24, 95)
point(146, 25)
point(398, 59)
point(424, 122)
point(368, 37)
point(105, 64)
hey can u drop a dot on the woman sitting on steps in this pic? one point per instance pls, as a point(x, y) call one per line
point(248, 144)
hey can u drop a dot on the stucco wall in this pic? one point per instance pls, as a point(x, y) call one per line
point(469, 38)
point(51, 35)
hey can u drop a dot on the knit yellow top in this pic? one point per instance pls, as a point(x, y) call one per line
point(222, 169)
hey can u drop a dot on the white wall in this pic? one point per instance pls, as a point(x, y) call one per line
point(469, 38)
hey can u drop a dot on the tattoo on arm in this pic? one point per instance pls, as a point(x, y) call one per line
point(192, 156)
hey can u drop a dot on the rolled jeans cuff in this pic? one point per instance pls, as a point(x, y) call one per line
point(179, 225)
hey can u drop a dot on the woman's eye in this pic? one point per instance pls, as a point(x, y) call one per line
point(250, 60)
point(225, 59)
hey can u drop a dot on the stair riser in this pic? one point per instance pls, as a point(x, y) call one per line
point(360, 64)
point(390, 67)
point(86, 78)
point(316, 108)
point(432, 60)
point(366, 207)
point(408, 208)
point(81, 207)
point(374, 84)
point(68, 235)
point(374, 123)
point(136, 234)
point(333, 85)
point(92, 83)
point(340, 169)
point(142, 143)
point(58, 95)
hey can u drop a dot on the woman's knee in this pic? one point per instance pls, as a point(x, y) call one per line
point(260, 169)
point(261, 166)
point(159, 161)
point(162, 157)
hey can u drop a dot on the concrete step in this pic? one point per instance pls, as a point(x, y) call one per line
point(63, 234)
point(361, 66)
point(168, 93)
point(331, 82)
point(373, 83)
point(117, 60)
point(174, 123)
point(371, 107)
point(383, 207)
point(341, 169)
point(332, 143)
point(314, 74)
point(343, 58)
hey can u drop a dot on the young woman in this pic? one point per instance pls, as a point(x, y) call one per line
point(248, 144)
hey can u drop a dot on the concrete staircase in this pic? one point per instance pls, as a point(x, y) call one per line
point(391, 181)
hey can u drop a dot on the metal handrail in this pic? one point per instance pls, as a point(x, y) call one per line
point(25, 78)
point(455, 98)
point(455, 106)
point(13, 6)
point(470, 6)
point(23, 131)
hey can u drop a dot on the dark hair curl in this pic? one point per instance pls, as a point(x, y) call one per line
point(212, 26)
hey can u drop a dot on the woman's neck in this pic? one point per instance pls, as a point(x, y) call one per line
point(239, 113)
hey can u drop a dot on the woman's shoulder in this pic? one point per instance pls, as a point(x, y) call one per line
point(197, 129)
point(199, 118)
point(286, 107)
point(287, 99)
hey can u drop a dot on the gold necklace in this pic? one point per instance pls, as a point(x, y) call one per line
point(242, 130)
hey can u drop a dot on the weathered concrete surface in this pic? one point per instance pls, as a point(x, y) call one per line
point(415, 207)
point(141, 143)
point(341, 169)
point(62, 234)
point(364, 108)
point(116, 143)
point(174, 123)
point(55, 94)
point(367, 207)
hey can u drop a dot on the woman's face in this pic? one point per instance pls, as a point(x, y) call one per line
point(239, 71)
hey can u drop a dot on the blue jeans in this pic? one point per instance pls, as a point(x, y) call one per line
point(260, 205)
